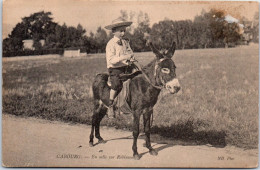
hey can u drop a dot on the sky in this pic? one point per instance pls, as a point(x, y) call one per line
point(92, 14)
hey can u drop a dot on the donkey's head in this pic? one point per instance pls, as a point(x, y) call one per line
point(165, 68)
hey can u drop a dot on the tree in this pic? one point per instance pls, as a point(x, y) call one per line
point(163, 33)
point(12, 44)
point(92, 43)
point(138, 41)
point(136, 32)
point(36, 42)
point(20, 31)
point(124, 15)
point(101, 39)
point(40, 26)
point(203, 22)
point(131, 16)
point(39, 23)
point(36, 26)
point(14, 41)
point(231, 34)
point(255, 28)
point(216, 30)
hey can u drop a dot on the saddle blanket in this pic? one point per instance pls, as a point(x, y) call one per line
point(121, 100)
point(121, 104)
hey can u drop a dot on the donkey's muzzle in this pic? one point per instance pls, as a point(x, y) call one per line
point(177, 88)
point(173, 86)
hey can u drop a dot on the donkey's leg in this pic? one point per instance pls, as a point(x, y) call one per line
point(93, 122)
point(91, 137)
point(136, 134)
point(102, 113)
point(147, 131)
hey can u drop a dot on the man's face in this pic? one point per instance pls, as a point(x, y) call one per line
point(120, 32)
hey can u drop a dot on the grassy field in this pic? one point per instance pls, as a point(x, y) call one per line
point(218, 103)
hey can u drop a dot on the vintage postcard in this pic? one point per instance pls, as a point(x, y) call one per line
point(130, 84)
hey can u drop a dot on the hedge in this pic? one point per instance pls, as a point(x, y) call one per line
point(33, 52)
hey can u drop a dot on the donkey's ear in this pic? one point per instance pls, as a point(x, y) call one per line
point(155, 51)
point(171, 51)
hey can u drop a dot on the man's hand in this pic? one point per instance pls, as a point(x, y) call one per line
point(132, 57)
point(131, 60)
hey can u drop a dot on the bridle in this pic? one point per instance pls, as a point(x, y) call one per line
point(140, 67)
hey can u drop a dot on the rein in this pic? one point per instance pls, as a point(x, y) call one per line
point(146, 77)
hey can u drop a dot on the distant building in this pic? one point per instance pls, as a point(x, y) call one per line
point(73, 53)
point(28, 44)
point(42, 42)
point(248, 32)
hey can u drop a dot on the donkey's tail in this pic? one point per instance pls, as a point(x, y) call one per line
point(99, 84)
point(99, 78)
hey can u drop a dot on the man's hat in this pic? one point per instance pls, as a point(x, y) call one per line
point(119, 22)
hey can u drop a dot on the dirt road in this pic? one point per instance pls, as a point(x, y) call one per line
point(40, 143)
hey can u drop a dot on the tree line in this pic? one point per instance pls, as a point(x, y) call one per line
point(207, 30)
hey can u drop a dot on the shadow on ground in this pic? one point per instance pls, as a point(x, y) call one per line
point(181, 134)
point(185, 134)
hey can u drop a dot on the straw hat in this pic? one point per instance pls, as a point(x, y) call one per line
point(118, 23)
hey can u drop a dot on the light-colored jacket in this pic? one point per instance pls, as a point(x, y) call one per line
point(116, 54)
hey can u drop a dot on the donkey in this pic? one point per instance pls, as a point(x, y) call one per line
point(144, 90)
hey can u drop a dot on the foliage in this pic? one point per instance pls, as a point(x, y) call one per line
point(138, 37)
point(255, 30)
point(33, 52)
point(207, 30)
point(12, 44)
point(39, 26)
point(101, 39)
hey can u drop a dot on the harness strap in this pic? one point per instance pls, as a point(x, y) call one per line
point(147, 78)
point(149, 81)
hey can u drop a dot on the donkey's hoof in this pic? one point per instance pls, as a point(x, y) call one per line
point(153, 152)
point(137, 156)
point(101, 141)
point(91, 144)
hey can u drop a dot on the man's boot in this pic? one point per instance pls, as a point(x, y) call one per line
point(110, 111)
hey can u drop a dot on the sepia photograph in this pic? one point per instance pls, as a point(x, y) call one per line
point(130, 84)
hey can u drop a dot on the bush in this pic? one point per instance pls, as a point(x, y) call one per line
point(33, 52)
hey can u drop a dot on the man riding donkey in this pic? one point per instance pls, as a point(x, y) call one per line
point(118, 56)
point(141, 93)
